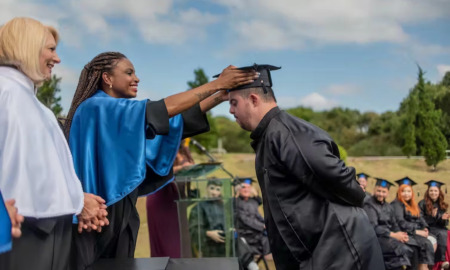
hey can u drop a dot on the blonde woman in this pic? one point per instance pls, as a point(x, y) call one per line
point(36, 166)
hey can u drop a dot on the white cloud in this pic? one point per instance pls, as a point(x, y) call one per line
point(313, 100)
point(290, 24)
point(317, 102)
point(250, 24)
point(343, 89)
point(115, 20)
point(442, 69)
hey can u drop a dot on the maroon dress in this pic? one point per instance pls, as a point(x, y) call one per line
point(162, 219)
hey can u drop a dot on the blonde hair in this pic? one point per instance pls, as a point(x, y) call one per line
point(21, 44)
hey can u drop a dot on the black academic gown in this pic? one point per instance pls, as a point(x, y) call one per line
point(312, 201)
point(250, 224)
point(118, 239)
point(207, 216)
point(409, 223)
point(437, 227)
point(381, 215)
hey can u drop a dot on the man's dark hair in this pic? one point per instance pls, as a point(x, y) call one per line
point(266, 97)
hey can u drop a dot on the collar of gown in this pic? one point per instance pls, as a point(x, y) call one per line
point(18, 76)
point(259, 130)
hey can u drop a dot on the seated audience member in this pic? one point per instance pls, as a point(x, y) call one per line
point(248, 220)
point(207, 223)
point(408, 216)
point(362, 180)
point(392, 240)
point(434, 210)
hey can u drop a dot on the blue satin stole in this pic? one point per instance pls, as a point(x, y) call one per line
point(5, 228)
point(109, 147)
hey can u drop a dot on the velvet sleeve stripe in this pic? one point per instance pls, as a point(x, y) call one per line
point(195, 122)
point(157, 118)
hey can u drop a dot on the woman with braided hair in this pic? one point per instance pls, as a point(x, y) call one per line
point(123, 148)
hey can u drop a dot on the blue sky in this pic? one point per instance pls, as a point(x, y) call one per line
point(360, 54)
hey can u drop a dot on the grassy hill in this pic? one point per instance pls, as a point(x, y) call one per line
point(390, 169)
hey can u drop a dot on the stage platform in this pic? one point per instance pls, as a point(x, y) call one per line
point(166, 263)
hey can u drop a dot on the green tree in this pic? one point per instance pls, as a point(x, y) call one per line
point(408, 123)
point(429, 134)
point(208, 139)
point(200, 79)
point(446, 80)
point(47, 94)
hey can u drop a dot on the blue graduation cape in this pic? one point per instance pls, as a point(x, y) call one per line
point(5, 228)
point(110, 150)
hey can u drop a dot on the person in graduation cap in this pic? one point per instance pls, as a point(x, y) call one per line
point(207, 223)
point(392, 240)
point(435, 213)
point(36, 167)
point(248, 220)
point(312, 200)
point(410, 220)
point(123, 148)
point(362, 180)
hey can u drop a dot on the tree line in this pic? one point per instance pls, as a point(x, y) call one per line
point(421, 125)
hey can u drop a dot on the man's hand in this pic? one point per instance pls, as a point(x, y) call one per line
point(16, 219)
point(215, 236)
point(94, 214)
point(400, 236)
point(423, 233)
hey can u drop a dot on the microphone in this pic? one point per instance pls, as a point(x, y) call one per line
point(203, 150)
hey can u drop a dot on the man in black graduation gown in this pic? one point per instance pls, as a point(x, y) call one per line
point(312, 201)
point(248, 220)
point(392, 241)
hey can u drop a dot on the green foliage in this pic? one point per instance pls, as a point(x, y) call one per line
point(342, 153)
point(200, 79)
point(429, 134)
point(47, 95)
point(234, 138)
point(422, 123)
point(446, 80)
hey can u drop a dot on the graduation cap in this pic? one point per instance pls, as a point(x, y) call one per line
point(435, 183)
point(383, 183)
point(264, 80)
point(243, 180)
point(406, 181)
point(362, 175)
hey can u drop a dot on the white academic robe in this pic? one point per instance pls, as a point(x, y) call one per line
point(36, 166)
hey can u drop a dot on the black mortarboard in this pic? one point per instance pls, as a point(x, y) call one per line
point(383, 183)
point(406, 181)
point(240, 180)
point(362, 175)
point(434, 183)
point(264, 80)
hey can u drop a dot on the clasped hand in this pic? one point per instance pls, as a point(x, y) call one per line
point(94, 214)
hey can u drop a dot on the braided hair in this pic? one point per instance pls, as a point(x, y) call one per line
point(90, 81)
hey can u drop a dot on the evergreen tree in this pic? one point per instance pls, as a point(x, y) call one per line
point(47, 95)
point(433, 142)
point(408, 125)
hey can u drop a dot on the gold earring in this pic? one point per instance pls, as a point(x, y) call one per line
point(110, 86)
